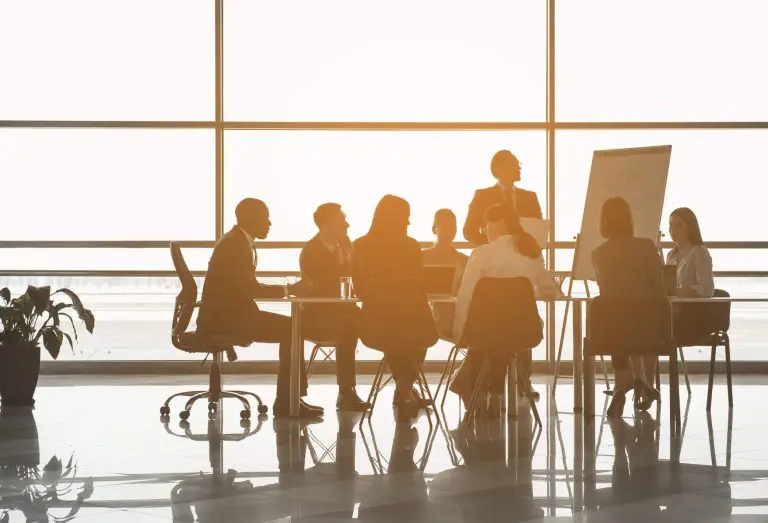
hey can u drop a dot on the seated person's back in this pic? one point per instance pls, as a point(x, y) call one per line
point(628, 266)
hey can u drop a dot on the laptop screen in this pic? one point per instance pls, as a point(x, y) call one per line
point(438, 279)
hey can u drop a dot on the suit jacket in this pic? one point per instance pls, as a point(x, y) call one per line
point(231, 285)
point(526, 203)
point(629, 266)
point(324, 270)
point(388, 275)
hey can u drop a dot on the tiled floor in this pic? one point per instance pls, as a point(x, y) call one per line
point(128, 466)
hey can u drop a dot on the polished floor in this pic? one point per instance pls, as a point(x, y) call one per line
point(94, 449)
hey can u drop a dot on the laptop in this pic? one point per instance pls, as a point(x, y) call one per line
point(438, 280)
point(670, 279)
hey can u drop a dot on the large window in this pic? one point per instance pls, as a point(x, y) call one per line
point(404, 61)
point(135, 123)
point(657, 60)
point(117, 60)
point(295, 171)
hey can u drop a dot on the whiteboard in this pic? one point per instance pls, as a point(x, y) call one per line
point(639, 176)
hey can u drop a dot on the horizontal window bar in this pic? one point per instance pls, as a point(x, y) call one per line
point(202, 244)
point(264, 274)
point(377, 126)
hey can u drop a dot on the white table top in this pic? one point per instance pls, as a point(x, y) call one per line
point(452, 299)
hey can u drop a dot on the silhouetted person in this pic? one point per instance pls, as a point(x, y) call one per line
point(229, 292)
point(323, 261)
point(627, 266)
point(444, 253)
point(505, 167)
point(396, 319)
point(510, 253)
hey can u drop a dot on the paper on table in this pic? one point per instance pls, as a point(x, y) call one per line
point(539, 229)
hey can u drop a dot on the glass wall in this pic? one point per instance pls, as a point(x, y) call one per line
point(124, 125)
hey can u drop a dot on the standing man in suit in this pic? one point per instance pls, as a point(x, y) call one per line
point(229, 292)
point(323, 261)
point(506, 168)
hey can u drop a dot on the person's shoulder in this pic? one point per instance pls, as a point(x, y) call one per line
point(599, 251)
point(700, 251)
point(485, 192)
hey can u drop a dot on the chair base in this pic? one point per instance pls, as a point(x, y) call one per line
point(213, 395)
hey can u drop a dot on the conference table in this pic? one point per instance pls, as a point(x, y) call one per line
point(297, 345)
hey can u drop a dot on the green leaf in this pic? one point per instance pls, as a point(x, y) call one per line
point(5, 294)
point(52, 339)
point(84, 314)
point(69, 339)
point(40, 297)
point(71, 321)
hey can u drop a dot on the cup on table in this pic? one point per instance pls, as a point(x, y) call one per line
point(346, 287)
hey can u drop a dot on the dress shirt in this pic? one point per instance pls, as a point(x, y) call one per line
point(500, 259)
point(694, 269)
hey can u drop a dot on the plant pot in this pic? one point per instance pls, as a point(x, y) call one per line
point(19, 370)
point(17, 425)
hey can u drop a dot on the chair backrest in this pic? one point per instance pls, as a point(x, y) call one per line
point(186, 299)
point(630, 323)
point(720, 313)
point(503, 317)
point(395, 315)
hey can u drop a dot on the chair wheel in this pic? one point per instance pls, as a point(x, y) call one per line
point(245, 414)
point(184, 425)
point(165, 419)
point(262, 409)
point(261, 418)
point(165, 410)
point(184, 415)
point(245, 423)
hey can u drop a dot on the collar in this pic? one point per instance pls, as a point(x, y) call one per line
point(513, 188)
point(248, 237)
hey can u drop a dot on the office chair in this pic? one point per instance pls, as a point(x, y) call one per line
point(490, 333)
point(194, 343)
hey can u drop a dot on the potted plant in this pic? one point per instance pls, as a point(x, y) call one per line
point(29, 321)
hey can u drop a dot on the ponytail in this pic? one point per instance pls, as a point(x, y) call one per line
point(527, 245)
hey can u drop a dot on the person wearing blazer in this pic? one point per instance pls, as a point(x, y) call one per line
point(388, 274)
point(628, 266)
point(506, 168)
point(323, 261)
point(230, 289)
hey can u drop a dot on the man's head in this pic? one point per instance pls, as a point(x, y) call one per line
point(505, 168)
point(444, 226)
point(496, 222)
point(253, 217)
point(331, 221)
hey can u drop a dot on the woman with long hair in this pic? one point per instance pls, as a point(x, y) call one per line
point(626, 265)
point(387, 273)
point(692, 259)
point(510, 253)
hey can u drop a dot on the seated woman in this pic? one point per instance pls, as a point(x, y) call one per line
point(628, 266)
point(694, 271)
point(387, 272)
point(444, 253)
point(510, 252)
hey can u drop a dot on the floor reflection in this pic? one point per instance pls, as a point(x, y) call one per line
point(72, 459)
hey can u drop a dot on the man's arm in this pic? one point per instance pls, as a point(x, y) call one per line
point(473, 226)
point(255, 287)
point(312, 271)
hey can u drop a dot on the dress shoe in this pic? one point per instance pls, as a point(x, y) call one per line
point(422, 403)
point(315, 408)
point(281, 409)
point(349, 400)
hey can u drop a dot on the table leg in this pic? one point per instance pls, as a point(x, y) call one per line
point(297, 345)
point(512, 388)
point(589, 388)
point(577, 355)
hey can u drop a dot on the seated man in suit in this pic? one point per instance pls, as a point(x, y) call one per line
point(229, 292)
point(506, 168)
point(323, 261)
point(444, 253)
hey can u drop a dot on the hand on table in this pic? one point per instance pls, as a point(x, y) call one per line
point(301, 289)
